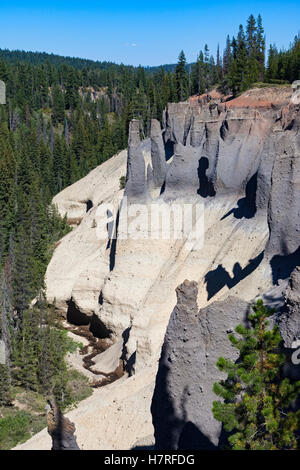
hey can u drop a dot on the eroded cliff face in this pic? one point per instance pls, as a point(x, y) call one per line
point(269, 172)
point(240, 159)
point(183, 396)
point(284, 202)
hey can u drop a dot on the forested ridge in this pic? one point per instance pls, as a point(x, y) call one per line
point(63, 117)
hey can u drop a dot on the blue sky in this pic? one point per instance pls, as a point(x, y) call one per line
point(136, 33)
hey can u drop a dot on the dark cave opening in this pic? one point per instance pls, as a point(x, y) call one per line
point(97, 328)
point(78, 318)
point(75, 316)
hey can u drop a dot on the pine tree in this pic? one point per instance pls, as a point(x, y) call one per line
point(181, 78)
point(6, 311)
point(239, 70)
point(257, 399)
point(242, 61)
point(252, 50)
point(234, 48)
point(218, 66)
point(7, 186)
point(227, 57)
point(165, 90)
point(227, 64)
point(39, 235)
point(5, 387)
point(198, 71)
point(27, 352)
point(23, 273)
point(71, 94)
point(251, 36)
point(59, 163)
point(58, 110)
point(271, 71)
point(260, 48)
point(207, 80)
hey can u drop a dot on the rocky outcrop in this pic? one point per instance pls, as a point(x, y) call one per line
point(183, 396)
point(81, 260)
point(289, 319)
point(158, 156)
point(136, 189)
point(283, 248)
point(223, 147)
point(182, 178)
point(296, 97)
point(101, 185)
point(229, 157)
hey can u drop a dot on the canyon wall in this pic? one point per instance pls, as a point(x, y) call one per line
point(195, 339)
point(238, 160)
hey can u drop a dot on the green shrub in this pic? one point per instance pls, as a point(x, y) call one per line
point(258, 402)
point(78, 387)
point(122, 182)
point(14, 429)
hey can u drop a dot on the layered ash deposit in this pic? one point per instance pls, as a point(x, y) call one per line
point(240, 158)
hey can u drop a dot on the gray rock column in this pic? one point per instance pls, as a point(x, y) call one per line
point(157, 154)
point(289, 320)
point(283, 247)
point(135, 179)
point(183, 396)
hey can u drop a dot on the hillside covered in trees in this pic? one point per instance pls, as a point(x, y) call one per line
point(63, 117)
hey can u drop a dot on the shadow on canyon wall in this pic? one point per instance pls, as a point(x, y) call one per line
point(246, 206)
point(282, 266)
point(89, 205)
point(218, 278)
point(169, 149)
point(206, 187)
point(175, 431)
point(112, 244)
point(166, 430)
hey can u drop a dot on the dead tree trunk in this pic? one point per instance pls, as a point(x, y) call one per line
point(60, 428)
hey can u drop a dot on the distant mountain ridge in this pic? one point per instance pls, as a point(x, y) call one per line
point(37, 58)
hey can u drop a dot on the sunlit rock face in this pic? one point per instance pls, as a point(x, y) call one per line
point(183, 396)
point(240, 160)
